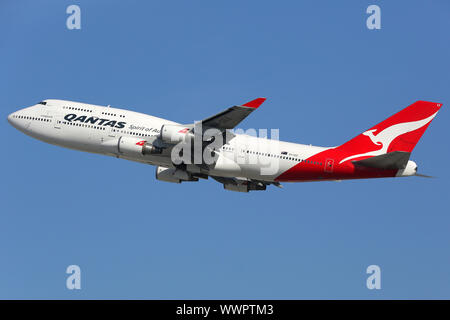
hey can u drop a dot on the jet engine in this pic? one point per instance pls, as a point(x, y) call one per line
point(175, 133)
point(136, 147)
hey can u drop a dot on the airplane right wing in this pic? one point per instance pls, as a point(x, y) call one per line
point(228, 119)
point(219, 124)
point(231, 117)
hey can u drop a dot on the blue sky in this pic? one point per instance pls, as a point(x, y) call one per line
point(327, 78)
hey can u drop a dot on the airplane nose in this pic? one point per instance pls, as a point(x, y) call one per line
point(12, 120)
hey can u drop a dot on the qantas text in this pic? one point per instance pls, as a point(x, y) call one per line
point(95, 120)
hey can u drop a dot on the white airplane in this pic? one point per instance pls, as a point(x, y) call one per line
point(209, 148)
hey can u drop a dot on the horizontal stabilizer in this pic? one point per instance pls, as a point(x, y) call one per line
point(390, 160)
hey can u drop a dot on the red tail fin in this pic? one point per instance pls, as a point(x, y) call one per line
point(400, 132)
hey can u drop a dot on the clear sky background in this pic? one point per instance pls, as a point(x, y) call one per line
point(327, 78)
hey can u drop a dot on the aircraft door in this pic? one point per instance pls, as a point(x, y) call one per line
point(57, 121)
point(329, 165)
point(240, 155)
point(111, 132)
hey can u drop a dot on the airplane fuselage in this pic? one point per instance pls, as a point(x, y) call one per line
point(115, 132)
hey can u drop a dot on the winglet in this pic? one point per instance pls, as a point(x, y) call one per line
point(255, 103)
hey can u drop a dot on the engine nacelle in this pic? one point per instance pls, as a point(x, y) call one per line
point(175, 133)
point(149, 148)
point(136, 147)
point(173, 175)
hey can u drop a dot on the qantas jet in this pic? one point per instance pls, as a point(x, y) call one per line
point(211, 148)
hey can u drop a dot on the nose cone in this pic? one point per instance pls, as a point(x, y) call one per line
point(11, 119)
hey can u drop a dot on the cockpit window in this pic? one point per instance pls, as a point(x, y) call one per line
point(43, 103)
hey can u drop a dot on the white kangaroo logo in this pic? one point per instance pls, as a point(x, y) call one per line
point(385, 137)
